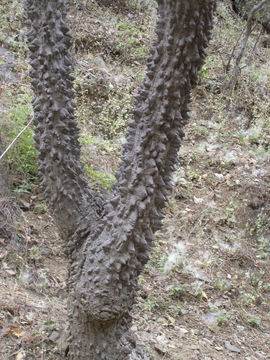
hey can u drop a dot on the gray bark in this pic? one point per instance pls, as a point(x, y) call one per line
point(56, 131)
point(108, 242)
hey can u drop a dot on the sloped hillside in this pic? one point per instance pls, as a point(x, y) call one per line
point(205, 293)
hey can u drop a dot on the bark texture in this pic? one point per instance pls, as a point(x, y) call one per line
point(108, 241)
point(56, 132)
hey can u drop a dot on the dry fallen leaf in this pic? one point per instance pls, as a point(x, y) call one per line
point(3, 254)
point(197, 200)
point(10, 271)
point(171, 319)
point(16, 331)
point(204, 296)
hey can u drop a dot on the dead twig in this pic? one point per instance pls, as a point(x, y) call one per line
point(227, 67)
point(248, 31)
point(257, 40)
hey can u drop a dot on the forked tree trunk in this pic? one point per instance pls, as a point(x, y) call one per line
point(108, 242)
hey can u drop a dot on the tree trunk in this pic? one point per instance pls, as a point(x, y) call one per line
point(108, 242)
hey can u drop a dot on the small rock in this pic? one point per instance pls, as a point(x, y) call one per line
point(24, 205)
point(160, 349)
point(183, 331)
point(134, 328)
point(210, 318)
point(184, 311)
point(10, 271)
point(260, 355)
point(231, 157)
point(240, 328)
point(218, 348)
point(160, 346)
point(21, 356)
point(197, 200)
point(161, 338)
point(219, 176)
point(232, 348)
point(54, 336)
point(210, 342)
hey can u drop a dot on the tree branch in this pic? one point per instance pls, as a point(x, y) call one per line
point(115, 254)
point(249, 29)
point(56, 130)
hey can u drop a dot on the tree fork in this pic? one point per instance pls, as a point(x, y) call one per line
point(108, 242)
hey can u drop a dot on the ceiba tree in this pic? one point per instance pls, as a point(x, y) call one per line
point(108, 239)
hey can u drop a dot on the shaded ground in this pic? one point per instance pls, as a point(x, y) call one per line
point(205, 293)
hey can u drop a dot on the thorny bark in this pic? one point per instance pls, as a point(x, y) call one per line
point(56, 131)
point(108, 242)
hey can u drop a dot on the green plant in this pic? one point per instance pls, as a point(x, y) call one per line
point(206, 68)
point(264, 244)
point(248, 299)
point(230, 213)
point(132, 40)
point(221, 284)
point(50, 324)
point(176, 292)
point(141, 280)
point(11, 26)
point(34, 253)
point(266, 287)
point(197, 290)
point(254, 321)
point(105, 180)
point(150, 305)
point(22, 156)
point(41, 208)
point(114, 116)
point(43, 283)
point(176, 311)
point(139, 5)
point(222, 318)
point(24, 188)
